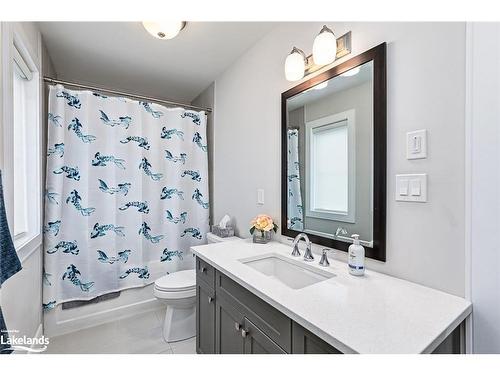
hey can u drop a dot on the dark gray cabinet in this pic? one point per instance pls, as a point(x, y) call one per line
point(305, 342)
point(228, 326)
point(205, 318)
point(232, 320)
point(257, 342)
point(274, 324)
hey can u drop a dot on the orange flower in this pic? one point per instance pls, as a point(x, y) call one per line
point(263, 223)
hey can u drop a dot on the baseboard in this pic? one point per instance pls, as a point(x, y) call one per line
point(38, 334)
point(56, 325)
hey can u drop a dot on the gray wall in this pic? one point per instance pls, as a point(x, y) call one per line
point(207, 99)
point(426, 89)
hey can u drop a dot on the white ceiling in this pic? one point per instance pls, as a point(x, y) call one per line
point(123, 56)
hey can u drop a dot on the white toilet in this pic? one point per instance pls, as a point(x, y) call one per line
point(178, 291)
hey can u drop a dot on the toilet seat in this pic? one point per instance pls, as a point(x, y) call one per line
point(179, 281)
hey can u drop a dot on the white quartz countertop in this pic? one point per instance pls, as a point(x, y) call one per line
point(374, 313)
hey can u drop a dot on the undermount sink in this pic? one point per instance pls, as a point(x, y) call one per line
point(293, 274)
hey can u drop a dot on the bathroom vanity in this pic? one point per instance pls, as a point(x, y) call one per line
point(254, 298)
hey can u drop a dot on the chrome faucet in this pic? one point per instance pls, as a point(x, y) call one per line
point(308, 257)
point(341, 232)
point(324, 258)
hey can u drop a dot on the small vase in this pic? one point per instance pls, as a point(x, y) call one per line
point(261, 236)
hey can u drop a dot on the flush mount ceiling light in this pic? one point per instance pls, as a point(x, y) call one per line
point(295, 64)
point(164, 29)
point(325, 47)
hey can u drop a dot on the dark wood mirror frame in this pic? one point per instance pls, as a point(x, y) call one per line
point(378, 56)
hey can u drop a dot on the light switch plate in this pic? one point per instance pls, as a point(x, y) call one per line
point(416, 144)
point(411, 187)
point(260, 196)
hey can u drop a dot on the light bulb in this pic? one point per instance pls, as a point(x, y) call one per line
point(295, 65)
point(351, 72)
point(165, 29)
point(324, 47)
point(321, 85)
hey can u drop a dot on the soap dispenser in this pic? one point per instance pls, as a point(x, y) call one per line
point(356, 258)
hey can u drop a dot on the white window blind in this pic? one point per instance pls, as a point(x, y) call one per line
point(330, 174)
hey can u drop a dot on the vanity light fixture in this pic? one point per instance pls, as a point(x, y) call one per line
point(164, 29)
point(295, 64)
point(325, 47)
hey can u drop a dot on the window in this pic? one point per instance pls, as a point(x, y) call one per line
point(26, 158)
point(330, 154)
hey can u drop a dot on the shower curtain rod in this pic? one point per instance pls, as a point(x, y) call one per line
point(54, 81)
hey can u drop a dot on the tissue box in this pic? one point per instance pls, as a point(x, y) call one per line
point(223, 232)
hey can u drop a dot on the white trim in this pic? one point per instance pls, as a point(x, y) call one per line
point(340, 238)
point(328, 122)
point(21, 64)
point(14, 40)
point(54, 327)
point(30, 247)
point(7, 118)
point(38, 334)
point(469, 338)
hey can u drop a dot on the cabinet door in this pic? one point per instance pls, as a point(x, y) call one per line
point(228, 326)
point(269, 320)
point(205, 319)
point(305, 342)
point(256, 342)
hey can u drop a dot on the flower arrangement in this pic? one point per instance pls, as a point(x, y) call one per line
point(263, 224)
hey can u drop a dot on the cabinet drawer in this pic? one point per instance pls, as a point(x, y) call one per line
point(272, 323)
point(205, 272)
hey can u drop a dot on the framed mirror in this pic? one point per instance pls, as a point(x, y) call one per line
point(334, 143)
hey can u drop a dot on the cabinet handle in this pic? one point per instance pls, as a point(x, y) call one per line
point(244, 333)
point(237, 326)
point(210, 299)
point(203, 270)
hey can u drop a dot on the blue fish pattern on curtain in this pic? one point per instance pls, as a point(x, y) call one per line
point(119, 175)
point(295, 211)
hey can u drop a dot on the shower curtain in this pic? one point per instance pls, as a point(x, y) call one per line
point(295, 208)
point(126, 193)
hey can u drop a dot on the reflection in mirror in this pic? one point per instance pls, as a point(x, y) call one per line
point(330, 157)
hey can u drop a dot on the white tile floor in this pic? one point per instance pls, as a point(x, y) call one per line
point(140, 334)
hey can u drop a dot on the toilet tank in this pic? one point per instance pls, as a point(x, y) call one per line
point(212, 238)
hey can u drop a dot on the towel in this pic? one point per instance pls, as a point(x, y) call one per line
point(4, 336)
point(9, 265)
point(9, 261)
